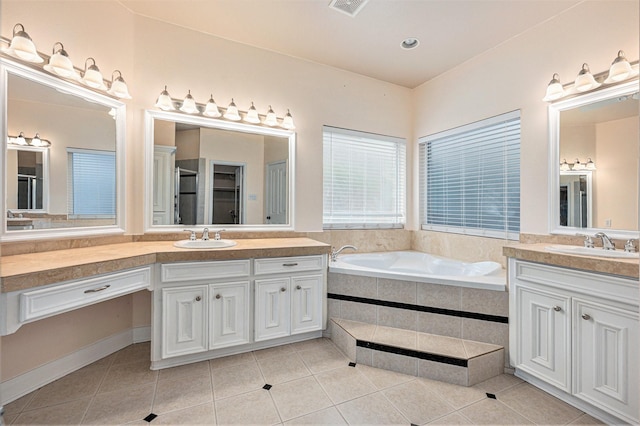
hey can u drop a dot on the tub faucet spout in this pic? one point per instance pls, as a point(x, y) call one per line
point(335, 253)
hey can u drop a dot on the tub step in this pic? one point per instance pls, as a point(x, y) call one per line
point(446, 359)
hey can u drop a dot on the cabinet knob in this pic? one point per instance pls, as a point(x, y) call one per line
point(198, 298)
point(298, 287)
point(586, 316)
point(283, 289)
point(557, 308)
point(218, 296)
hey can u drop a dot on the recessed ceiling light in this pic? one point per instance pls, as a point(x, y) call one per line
point(410, 43)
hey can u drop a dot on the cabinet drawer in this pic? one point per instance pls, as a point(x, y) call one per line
point(277, 265)
point(56, 299)
point(186, 271)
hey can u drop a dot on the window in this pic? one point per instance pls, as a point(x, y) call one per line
point(91, 187)
point(470, 178)
point(364, 180)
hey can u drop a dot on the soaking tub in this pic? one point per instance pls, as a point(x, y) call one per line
point(422, 267)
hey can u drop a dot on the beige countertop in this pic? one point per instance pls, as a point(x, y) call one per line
point(24, 271)
point(538, 253)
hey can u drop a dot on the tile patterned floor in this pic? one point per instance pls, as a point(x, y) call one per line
point(311, 383)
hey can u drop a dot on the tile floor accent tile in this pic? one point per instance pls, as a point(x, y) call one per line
point(311, 383)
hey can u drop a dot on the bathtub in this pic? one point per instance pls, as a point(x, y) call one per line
point(422, 267)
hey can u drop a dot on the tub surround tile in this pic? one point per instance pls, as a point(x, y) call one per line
point(484, 367)
point(397, 291)
point(485, 302)
point(448, 373)
point(352, 285)
point(344, 341)
point(439, 296)
point(364, 355)
point(396, 337)
point(444, 325)
point(360, 312)
point(398, 318)
point(395, 362)
point(359, 330)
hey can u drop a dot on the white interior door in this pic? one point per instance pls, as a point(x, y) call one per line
point(276, 193)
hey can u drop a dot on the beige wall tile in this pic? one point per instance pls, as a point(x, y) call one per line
point(361, 312)
point(444, 325)
point(394, 362)
point(443, 372)
point(396, 291)
point(486, 366)
point(485, 301)
point(345, 342)
point(398, 318)
point(352, 285)
point(439, 296)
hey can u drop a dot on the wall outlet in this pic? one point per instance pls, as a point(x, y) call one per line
point(607, 223)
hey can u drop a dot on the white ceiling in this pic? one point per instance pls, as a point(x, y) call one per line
point(450, 31)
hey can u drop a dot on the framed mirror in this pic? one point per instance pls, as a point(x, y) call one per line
point(205, 172)
point(64, 157)
point(594, 153)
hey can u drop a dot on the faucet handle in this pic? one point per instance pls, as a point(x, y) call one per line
point(588, 241)
point(630, 246)
point(217, 235)
point(192, 237)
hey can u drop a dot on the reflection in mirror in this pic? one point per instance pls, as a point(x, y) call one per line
point(209, 172)
point(72, 183)
point(601, 127)
point(575, 199)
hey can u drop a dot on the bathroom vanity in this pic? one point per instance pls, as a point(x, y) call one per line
point(204, 310)
point(574, 333)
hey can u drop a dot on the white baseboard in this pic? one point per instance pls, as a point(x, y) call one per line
point(27, 382)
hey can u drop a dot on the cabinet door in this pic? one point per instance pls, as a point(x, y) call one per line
point(184, 320)
point(229, 314)
point(543, 335)
point(606, 357)
point(273, 308)
point(306, 303)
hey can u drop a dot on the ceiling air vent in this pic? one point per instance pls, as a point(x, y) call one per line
point(350, 7)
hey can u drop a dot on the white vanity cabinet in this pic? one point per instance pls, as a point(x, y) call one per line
point(575, 334)
point(291, 302)
point(203, 310)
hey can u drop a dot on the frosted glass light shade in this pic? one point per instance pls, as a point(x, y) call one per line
point(585, 80)
point(119, 87)
point(271, 119)
point(620, 69)
point(164, 101)
point(252, 115)
point(554, 89)
point(564, 166)
point(232, 112)
point(287, 121)
point(22, 47)
point(92, 76)
point(211, 109)
point(60, 64)
point(189, 104)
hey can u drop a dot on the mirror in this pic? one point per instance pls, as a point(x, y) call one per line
point(212, 172)
point(601, 127)
point(74, 185)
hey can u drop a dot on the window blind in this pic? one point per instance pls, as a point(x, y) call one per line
point(91, 188)
point(470, 178)
point(363, 180)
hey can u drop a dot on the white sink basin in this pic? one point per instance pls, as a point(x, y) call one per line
point(595, 252)
point(204, 244)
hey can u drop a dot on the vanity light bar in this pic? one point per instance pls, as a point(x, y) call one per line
point(621, 70)
point(35, 141)
point(21, 47)
point(189, 106)
point(577, 165)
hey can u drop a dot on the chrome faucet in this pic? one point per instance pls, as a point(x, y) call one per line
point(205, 234)
point(630, 246)
point(217, 236)
point(588, 241)
point(192, 236)
point(335, 253)
point(607, 244)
